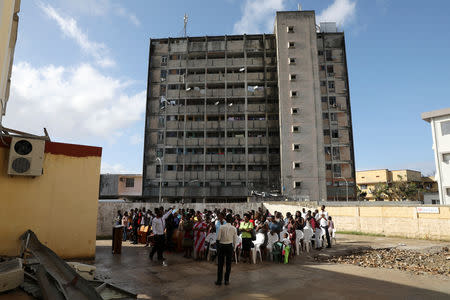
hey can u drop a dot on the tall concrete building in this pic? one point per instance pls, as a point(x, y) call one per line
point(228, 116)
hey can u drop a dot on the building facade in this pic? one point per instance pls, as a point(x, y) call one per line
point(114, 186)
point(9, 21)
point(440, 131)
point(228, 116)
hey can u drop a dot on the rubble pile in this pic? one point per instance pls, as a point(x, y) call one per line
point(437, 262)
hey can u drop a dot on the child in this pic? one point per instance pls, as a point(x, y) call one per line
point(286, 247)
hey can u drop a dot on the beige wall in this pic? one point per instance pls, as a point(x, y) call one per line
point(389, 220)
point(136, 190)
point(60, 206)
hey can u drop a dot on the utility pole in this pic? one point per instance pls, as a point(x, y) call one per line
point(185, 19)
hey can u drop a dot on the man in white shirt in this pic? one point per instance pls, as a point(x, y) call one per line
point(158, 225)
point(323, 221)
point(226, 237)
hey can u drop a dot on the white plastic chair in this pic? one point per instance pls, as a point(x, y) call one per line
point(318, 237)
point(257, 247)
point(307, 236)
point(237, 246)
point(271, 240)
point(210, 252)
point(333, 236)
point(298, 237)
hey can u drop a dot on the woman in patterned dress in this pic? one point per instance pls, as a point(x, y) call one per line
point(199, 237)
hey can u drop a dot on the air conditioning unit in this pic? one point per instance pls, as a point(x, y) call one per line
point(26, 157)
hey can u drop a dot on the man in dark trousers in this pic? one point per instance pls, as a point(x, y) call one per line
point(226, 237)
point(158, 226)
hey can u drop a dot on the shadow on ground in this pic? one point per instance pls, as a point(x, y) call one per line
point(186, 279)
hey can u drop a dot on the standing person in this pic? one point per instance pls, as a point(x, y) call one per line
point(246, 228)
point(186, 225)
point(135, 226)
point(199, 237)
point(324, 225)
point(119, 218)
point(226, 237)
point(158, 225)
point(220, 221)
point(125, 225)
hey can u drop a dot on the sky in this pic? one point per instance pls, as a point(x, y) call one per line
point(80, 69)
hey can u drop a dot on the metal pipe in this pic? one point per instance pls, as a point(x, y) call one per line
point(160, 176)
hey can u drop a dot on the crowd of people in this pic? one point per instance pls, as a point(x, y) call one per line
point(195, 232)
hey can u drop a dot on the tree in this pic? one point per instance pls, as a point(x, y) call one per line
point(360, 194)
point(380, 191)
point(402, 190)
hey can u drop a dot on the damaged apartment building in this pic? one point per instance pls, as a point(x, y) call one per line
point(235, 115)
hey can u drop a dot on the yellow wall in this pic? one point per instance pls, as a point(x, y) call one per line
point(8, 36)
point(363, 177)
point(60, 206)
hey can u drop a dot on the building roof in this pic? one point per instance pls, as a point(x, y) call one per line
point(427, 116)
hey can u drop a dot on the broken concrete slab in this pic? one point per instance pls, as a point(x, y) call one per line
point(69, 282)
point(11, 274)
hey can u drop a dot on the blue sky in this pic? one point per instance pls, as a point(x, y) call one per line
point(80, 69)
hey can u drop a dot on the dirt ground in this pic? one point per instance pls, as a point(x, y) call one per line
point(305, 276)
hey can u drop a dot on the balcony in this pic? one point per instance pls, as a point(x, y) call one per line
point(233, 141)
point(257, 124)
point(215, 158)
point(214, 124)
point(257, 141)
point(194, 141)
point(236, 158)
point(194, 125)
point(257, 158)
point(174, 125)
point(193, 158)
point(236, 124)
point(173, 141)
point(195, 78)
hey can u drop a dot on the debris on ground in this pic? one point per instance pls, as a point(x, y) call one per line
point(44, 275)
point(434, 263)
point(11, 274)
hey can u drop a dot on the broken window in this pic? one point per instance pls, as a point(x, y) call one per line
point(164, 60)
point(326, 132)
point(328, 55)
point(333, 117)
point(332, 101)
point(330, 70)
point(335, 133)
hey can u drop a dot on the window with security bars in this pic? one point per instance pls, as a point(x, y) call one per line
point(445, 127)
point(129, 182)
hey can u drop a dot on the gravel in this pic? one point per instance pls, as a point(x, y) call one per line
point(435, 263)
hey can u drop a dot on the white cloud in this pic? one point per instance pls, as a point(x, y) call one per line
point(116, 169)
point(70, 28)
point(72, 103)
point(258, 16)
point(340, 11)
point(101, 8)
point(136, 139)
point(121, 11)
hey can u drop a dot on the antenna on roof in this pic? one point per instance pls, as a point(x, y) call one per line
point(185, 19)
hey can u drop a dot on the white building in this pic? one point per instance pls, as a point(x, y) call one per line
point(440, 130)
